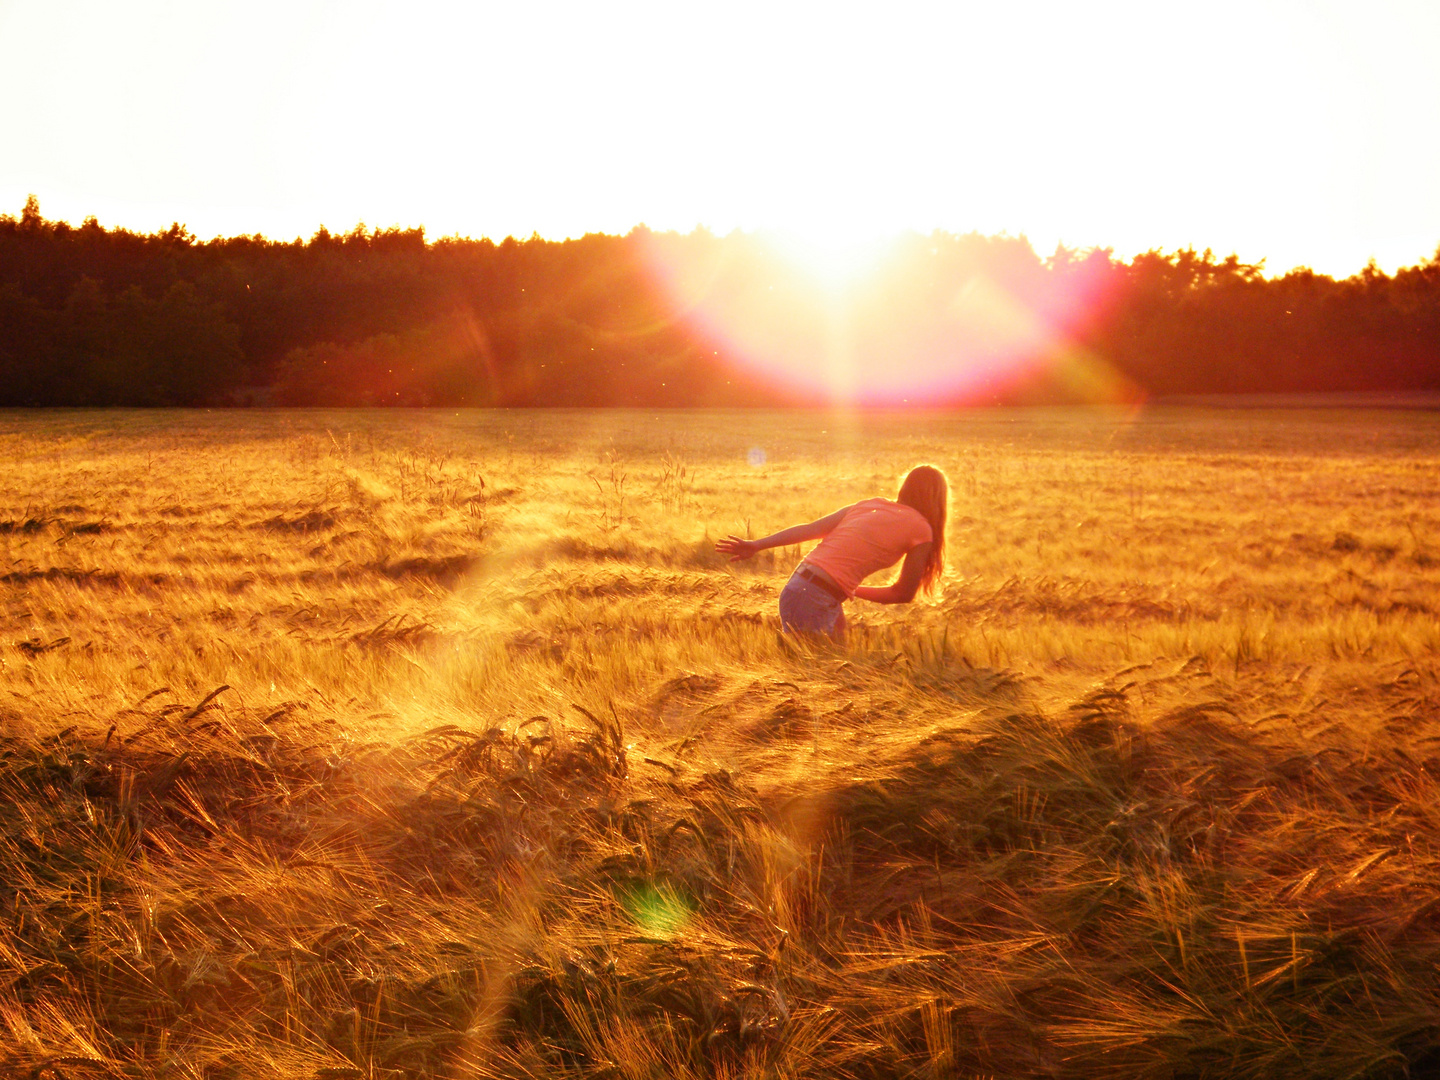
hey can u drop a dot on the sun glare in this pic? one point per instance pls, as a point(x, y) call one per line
point(898, 320)
point(834, 261)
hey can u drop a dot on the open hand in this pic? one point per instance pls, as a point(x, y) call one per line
point(737, 548)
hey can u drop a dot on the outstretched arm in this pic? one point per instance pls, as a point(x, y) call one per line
point(738, 548)
point(903, 589)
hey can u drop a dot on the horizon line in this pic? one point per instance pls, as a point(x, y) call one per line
point(362, 228)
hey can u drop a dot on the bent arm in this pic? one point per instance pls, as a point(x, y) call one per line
point(738, 548)
point(903, 589)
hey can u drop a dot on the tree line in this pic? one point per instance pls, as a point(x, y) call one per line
point(105, 316)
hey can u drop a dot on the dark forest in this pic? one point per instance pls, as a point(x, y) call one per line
point(94, 316)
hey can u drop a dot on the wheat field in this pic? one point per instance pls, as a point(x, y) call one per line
point(433, 744)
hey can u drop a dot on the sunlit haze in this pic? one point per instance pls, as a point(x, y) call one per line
point(1297, 133)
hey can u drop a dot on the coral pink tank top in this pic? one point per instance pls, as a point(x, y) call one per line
point(875, 534)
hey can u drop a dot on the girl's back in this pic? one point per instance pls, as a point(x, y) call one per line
point(874, 534)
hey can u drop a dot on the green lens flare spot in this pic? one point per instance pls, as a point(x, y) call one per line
point(658, 910)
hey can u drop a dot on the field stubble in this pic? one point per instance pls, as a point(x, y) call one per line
point(426, 744)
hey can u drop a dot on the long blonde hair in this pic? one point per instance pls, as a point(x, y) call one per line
point(925, 489)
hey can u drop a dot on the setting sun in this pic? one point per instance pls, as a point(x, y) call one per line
point(908, 320)
point(832, 258)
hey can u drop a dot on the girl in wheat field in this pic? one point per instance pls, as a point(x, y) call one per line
point(855, 542)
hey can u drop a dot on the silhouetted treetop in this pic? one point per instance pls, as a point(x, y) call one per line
point(98, 316)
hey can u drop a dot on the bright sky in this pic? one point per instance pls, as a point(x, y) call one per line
point(1298, 131)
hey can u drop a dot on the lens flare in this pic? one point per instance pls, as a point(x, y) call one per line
point(658, 910)
point(913, 320)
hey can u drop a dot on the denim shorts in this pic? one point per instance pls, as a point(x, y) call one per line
point(806, 606)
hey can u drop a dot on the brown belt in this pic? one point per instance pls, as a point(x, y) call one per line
point(824, 583)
